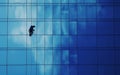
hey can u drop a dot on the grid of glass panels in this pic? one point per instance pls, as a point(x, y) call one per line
point(72, 37)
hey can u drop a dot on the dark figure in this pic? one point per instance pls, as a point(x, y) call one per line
point(31, 29)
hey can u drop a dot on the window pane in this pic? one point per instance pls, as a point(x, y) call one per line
point(16, 70)
point(3, 54)
point(16, 57)
point(4, 11)
point(3, 28)
point(3, 41)
point(3, 70)
point(48, 57)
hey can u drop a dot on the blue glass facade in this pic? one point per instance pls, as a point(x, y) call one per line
point(72, 37)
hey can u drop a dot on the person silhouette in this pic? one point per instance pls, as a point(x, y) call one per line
point(31, 29)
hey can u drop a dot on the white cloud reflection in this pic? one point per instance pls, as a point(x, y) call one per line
point(22, 29)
